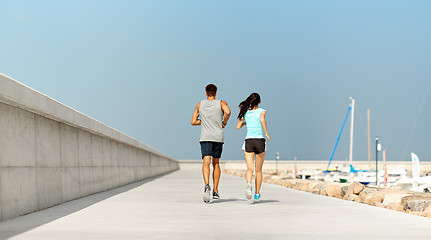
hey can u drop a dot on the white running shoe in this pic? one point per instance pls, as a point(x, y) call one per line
point(207, 194)
point(248, 191)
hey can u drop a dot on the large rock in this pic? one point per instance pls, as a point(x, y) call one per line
point(395, 206)
point(367, 192)
point(291, 183)
point(345, 189)
point(315, 187)
point(352, 197)
point(416, 203)
point(348, 197)
point(427, 212)
point(313, 184)
point(355, 188)
point(318, 189)
point(373, 199)
point(333, 190)
point(303, 185)
point(428, 209)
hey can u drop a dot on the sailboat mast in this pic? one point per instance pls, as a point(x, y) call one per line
point(369, 143)
point(351, 131)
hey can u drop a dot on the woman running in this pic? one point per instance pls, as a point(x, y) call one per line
point(254, 145)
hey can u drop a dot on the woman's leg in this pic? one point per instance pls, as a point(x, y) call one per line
point(260, 158)
point(249, 161)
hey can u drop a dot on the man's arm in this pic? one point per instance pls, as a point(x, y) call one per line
point(226, 112)
point(195, 121)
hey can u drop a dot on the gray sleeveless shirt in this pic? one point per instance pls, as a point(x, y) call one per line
point(211, 116)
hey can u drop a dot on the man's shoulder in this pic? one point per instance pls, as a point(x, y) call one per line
point(223, 102)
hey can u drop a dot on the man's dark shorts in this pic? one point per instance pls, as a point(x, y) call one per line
point(212, 149)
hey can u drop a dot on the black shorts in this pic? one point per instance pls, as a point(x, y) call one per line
point(212, 149)
point(254, 145)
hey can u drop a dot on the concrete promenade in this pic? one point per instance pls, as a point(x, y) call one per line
point(171, 207)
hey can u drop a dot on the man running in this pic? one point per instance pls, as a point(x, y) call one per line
point(212, 115)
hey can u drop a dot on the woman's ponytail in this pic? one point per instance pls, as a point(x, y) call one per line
point(249, 103)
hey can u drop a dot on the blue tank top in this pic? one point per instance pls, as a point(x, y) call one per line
point(254, 126)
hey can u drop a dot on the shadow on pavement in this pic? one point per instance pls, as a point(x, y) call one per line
point(242, 200)
point(228, 200)
point(265, 201)
point(19, 225)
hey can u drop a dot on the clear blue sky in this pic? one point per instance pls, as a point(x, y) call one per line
point(141, 67)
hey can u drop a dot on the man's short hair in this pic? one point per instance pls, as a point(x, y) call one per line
point(211, 90)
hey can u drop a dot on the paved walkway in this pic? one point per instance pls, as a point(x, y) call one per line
point(171, 207)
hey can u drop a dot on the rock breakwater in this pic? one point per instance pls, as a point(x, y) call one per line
point(384, 197)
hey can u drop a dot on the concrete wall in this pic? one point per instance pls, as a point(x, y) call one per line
point(50, 153)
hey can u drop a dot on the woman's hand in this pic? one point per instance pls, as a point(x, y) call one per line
point(268, 137)
point(240, 123)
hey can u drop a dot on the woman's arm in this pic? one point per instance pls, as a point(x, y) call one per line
point(240, 123)
point(263, 122)
point(195, 121)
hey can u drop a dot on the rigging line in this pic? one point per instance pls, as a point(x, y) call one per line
point(339, 135)
point(416, 120)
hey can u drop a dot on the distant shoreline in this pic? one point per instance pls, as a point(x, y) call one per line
point(299, 160)
point(289, 165)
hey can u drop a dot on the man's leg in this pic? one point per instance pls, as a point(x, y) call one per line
point(206, 161)
point(216, 173)
point(206, 169)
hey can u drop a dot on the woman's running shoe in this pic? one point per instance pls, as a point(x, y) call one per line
point(256, 197)
point(248, 191)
